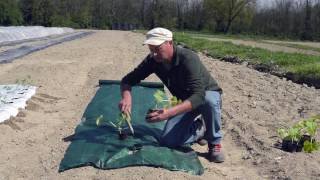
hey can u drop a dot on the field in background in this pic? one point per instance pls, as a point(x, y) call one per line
point(302, 65)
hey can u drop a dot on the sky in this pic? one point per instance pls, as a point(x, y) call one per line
point(268, 3)
point(263, 3)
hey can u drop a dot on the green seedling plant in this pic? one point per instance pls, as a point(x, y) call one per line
point(122, 118)
point(175, 101)
point(162, 100)
point(311, 126)
point(293, 134)
point(307, 127)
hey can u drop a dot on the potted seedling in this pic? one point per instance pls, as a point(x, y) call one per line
point(290, 139)
point(301, 135)
point(121, 120)
point(163, 102)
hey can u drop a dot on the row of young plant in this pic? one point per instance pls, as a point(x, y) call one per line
point(301, 135)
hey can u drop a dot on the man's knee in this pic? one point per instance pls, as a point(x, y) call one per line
point(213, 99)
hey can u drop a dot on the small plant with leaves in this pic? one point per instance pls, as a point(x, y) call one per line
point(311, 126)
point(291, 138)
point(302, 134)
point(121, 120)
point(293, 134)
point(162, 100)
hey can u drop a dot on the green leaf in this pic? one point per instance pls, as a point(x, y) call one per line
point(161, 99)
point(113, 124)
point(300, 125)
point(311, 127)
point(99, 120)
point(159, 96)
point(309, 147)
point(282, 133)
point(294, 134)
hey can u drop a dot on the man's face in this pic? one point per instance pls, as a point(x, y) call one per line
point(161, 53)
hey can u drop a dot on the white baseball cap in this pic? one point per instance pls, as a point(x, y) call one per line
point(158, 36)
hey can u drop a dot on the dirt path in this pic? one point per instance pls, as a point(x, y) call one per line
point(255, 104)
point(311, 44)
point(268, 46)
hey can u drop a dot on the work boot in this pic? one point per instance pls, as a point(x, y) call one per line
point(215, 153)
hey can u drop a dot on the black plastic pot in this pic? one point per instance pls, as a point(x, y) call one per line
point(291, 146)
point(150, 111)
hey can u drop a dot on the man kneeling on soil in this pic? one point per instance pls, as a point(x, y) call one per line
point(198, 117)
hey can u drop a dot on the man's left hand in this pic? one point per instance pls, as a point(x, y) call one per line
point(157, 116)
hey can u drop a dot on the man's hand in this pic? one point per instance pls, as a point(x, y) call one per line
point(126, 101)
point(157, 116)
point(125, 105)
point(164, 114)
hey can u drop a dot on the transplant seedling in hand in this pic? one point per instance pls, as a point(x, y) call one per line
point(162, 102)
point(161, 99)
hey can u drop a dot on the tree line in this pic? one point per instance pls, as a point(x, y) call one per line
point(285, 18)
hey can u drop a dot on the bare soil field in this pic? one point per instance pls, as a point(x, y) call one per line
point(255, 104)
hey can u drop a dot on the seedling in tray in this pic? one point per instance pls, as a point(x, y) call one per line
point(301, 135)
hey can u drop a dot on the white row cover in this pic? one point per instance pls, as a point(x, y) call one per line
point(12, 98)
point(17, 33)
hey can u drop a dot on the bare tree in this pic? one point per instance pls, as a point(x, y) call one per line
point(307, 33)
point(234, 8)
point(224, 12)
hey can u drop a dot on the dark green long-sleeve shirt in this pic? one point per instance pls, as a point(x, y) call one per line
point(186, 77)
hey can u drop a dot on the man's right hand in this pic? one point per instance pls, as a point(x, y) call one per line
point(125, 103)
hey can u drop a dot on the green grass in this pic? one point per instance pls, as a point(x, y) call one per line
point(234, 36)
point(301, 64)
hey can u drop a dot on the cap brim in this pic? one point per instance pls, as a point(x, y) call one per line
point(153, 41)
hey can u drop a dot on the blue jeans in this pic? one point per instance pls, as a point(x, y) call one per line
point(182, 129)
